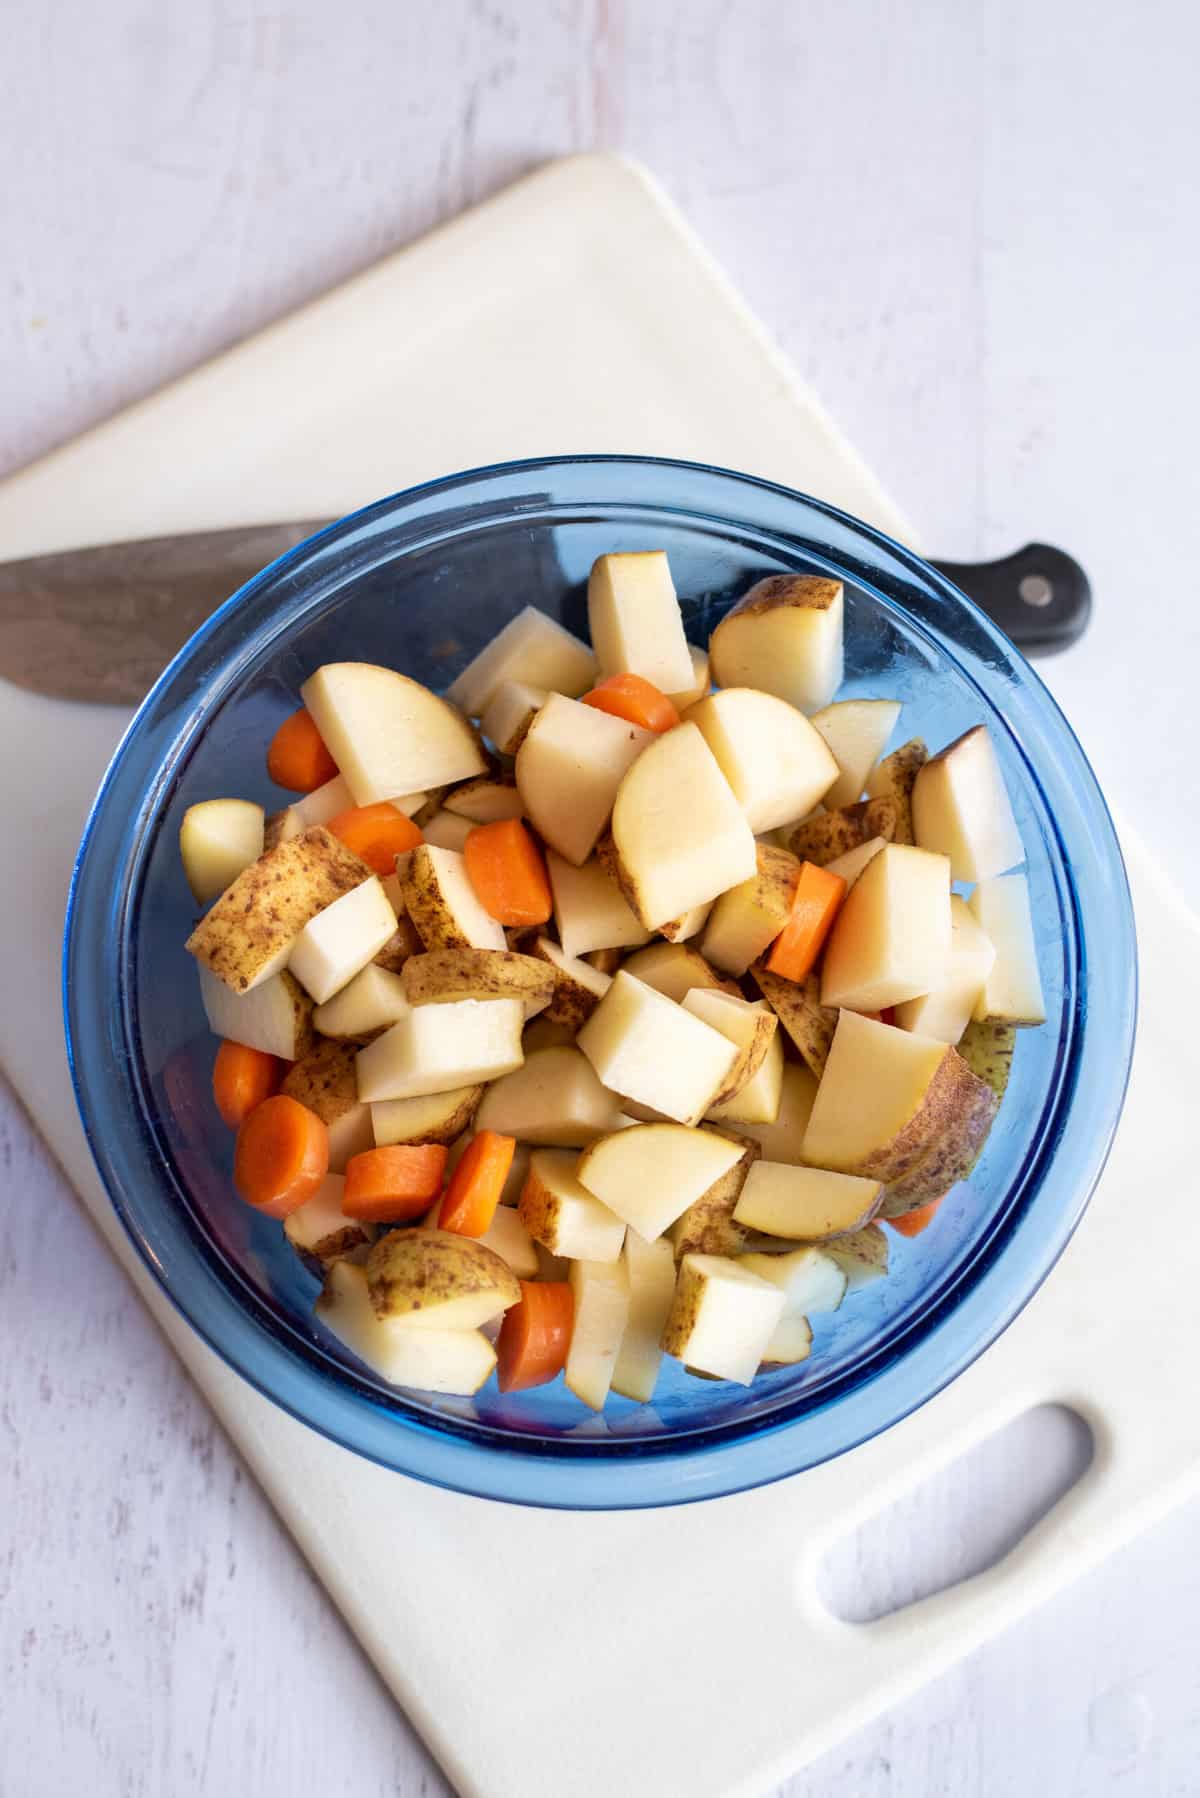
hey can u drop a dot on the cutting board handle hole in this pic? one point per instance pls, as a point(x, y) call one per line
point(961, 1520)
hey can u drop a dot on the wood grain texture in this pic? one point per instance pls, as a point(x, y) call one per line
point(968, 226)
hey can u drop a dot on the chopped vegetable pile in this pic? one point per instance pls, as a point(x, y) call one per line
point(603, 1009)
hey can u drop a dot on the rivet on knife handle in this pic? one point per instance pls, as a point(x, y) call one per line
point(1040, 596)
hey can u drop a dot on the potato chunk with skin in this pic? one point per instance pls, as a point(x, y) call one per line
point(339, 942)
point(325, 1082)
point(248, 934)
point(798, 1007)
point(830, 836)
point(564, 1216)
point(438, 1280)
point(722, 1318)
point(442, 903)
point(862, 1257)
point(891, 939)
point(776, 763)
point(635, 621)
point(961, 809)
point(462, 1043)
point(276, 1017)
point(677, 855)
point(783, 637)
point(435, 1117)
point(569, 769)
point(805, 1203)
point(578, 987)
point(555, 1099)
point(389, 734)
point(321, 1229)
point(750, 1027)
point(509, 713)
point(893, 779)
point(644, 1047)
point(707, 1226)
point(1012, 992)
point(531, 648)
point(449, 1361)
point(441, 975)
point(487, 800)
point(217, 839)
point(590, 911)
point(651, 1173)
point(745, 921)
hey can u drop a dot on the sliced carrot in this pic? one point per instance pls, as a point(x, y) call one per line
point(819, 894)
point(506, 868)
point(476, 1184)
point(377, 834)
point(913, 1222)
point(394, 1184)
point(297, 758)
point(636, 700)
point(535, 1335)
point(281, 1156)
point(242, 1079)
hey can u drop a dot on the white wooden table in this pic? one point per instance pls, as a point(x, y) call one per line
point(971, 226)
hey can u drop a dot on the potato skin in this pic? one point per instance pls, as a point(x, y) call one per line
point(798, 1007)
point(830, 834)
point(325, 1080)
point(440, 975)
point(414, 1270)
point(987, 1049)
point(707, 1226)
point(271, 901)
point(812, 592)
point(894, 779)
point(402, 943)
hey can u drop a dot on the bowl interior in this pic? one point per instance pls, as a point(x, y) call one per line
point(411, 614)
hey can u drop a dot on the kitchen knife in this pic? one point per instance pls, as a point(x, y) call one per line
point(102, 624)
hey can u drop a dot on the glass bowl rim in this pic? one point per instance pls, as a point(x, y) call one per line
point(712, 1460)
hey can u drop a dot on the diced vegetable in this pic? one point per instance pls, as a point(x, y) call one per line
point(554, 1099)
point(601, 1294)
point(443, 904)
point(815, 905)
point(569, 769)
point(338, 943)
point(376, 833)
point(722, 1318)
point(449, 1361)
point(776, 763)
point(371, 1002)
point(856, 731)
point(783, 637)
point(563, 1215)
point(276, 1017)
point(805, 1204)
point(893, 780)
point(297, 757)
point(891, 939)
point(635, 621)
point(531, 648)
point(509, 713)
point(961, 809)
point(321, 1229)
point(242, 1079)
point(506, 869)
point(475, 1187)
point(217, 839)
point(281, 1156)
point(389, 734)
point(439, 1046)
point(393, 1185)
point(747, 918)
point(590, 911)
point(650, 1271)
point(535, 1336)
point(435, 1117)
point(946, 1010)
point(636, 700)
point(436, 1280)
point(646, 1048)
point(1012, 991)
point(650, 1174)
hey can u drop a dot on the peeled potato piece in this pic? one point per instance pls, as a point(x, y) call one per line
point(447, 1361)
point(555, 1098)
point(891, 939)
point(435, 1047)
point(389, 734)
point(569, 769)
point(1012, 992)
point(601, 1291)
point(531, 648)
point(217, 839)
point(650, 1269)
point(722, 1318)
point(648, 1049)
point(961, 809)
point(856, 731)
point(276, 1016)
point(778, 765)
point(635, 621)
point(650, 1174)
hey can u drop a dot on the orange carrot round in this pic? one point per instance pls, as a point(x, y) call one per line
point(281, 1156)
point(297, 758)
point(636, 700)
point(818, 896)
point(377, 834)
point(913, 1222)
point(476, 1184)
point(394, 1184)
point(242, 1079)
point(506, 868)
point(531, 1348)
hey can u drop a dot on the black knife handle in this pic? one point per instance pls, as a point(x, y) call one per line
point(1040, 596)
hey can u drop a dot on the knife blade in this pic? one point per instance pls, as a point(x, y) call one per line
point(101, 624)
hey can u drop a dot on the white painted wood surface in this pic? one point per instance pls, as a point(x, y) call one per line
point(969, 226)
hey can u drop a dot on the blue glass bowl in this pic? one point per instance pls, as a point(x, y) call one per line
point(421, 581)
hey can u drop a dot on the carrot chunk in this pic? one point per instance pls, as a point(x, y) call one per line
point(636, 700)
point(242, 1079)
point(394, 1184)
point(476, 1184)
point(913, 1222)
point(281, 1156)
point(377, 834)
point(818, 896)
point(507, 870)
point(297, 758)
point(531, 1348)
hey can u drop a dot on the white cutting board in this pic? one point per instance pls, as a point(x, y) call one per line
point(573, 313)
